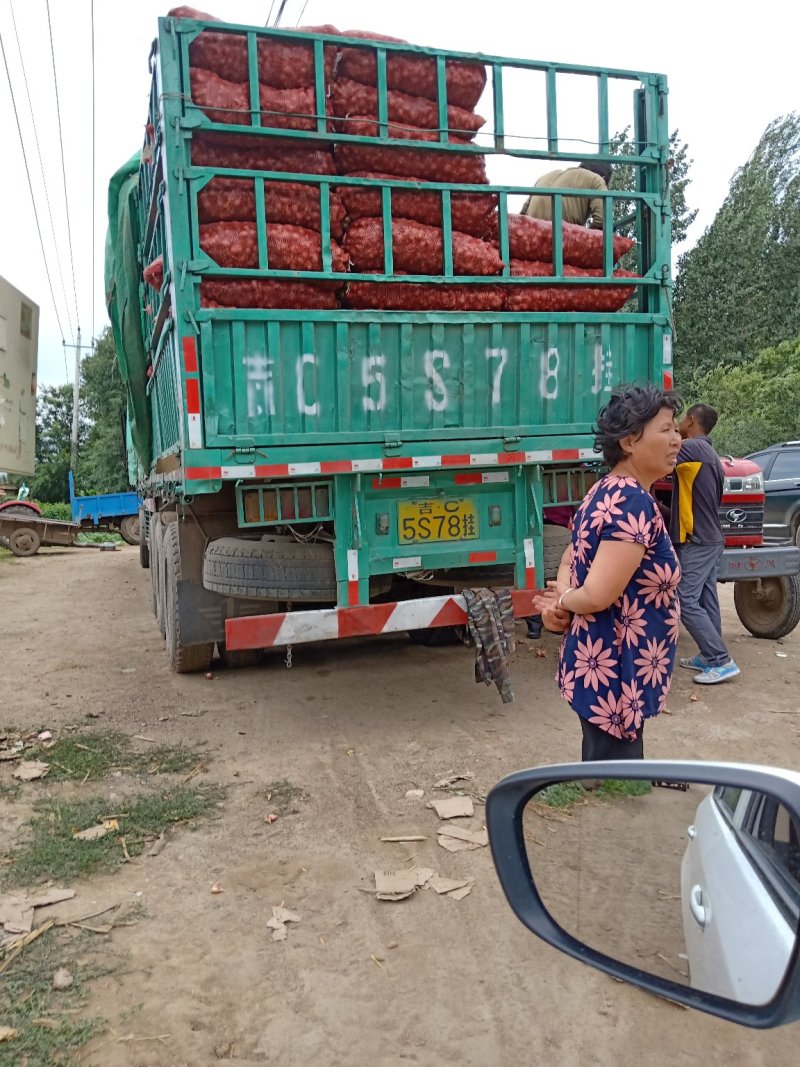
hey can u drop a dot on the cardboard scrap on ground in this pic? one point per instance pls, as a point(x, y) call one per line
point(423, 875)
point(399, 885)
point(93, 833)
point(452, 887)
point(16, 910)
point(458, 839)
point(30, 770)
point(452, 845)
point(453, 807)
point(280, 917)
point(445, 783)
point(8, 1033)
point(395, 885)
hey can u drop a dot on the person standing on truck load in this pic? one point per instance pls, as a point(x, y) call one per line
point(588, 175)
point(616, 590)
point(699, 541)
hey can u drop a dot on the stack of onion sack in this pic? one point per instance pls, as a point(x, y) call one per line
point(531, 249)
point(413, 115)
point(419, 249)
point(219, 77)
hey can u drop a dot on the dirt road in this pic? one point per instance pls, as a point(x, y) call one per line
point(428, 981)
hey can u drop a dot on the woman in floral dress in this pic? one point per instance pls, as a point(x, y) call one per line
point(616, 592)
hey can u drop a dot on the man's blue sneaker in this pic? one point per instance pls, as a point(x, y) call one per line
point(696, 663)
point(712, 675)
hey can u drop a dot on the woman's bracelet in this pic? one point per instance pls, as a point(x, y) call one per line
point(561, 598)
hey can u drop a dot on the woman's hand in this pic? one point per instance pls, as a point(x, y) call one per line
point(554, 618)
point(549, 597)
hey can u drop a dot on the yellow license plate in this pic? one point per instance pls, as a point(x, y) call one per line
point(421, 521)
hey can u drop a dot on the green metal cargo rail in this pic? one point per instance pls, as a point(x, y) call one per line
point(314, 474)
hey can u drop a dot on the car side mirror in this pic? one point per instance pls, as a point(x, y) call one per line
point(681, 878)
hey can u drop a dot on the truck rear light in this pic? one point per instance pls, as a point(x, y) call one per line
point(382, 523)
point(265, 505)
point(495, 515)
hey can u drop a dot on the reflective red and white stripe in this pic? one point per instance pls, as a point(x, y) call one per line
point(329, 624)
point(352, 576)
point(389, 464)
point(190, 365)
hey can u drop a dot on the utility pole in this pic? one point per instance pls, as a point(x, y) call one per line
point(76, 397)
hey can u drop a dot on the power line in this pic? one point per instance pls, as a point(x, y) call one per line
point(41, 168)
point(63, 166)
point(269, 16)
point(94, 169)
point(300, 16)
point(278, 17)
point(33, 198)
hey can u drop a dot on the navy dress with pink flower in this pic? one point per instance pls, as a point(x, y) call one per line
point(615, 667)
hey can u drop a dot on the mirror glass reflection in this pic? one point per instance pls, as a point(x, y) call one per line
point(699, 885)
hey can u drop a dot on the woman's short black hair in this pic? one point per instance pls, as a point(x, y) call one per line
point(627, 413)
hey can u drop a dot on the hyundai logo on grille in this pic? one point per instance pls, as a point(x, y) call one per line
point(736, 516)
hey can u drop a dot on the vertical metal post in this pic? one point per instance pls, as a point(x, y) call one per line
point(76, 396)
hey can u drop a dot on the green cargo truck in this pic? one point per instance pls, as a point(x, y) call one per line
point(313, 474)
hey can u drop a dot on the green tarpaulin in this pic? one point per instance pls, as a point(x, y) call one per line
point(122, 277)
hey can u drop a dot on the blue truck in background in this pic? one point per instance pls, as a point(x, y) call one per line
point(106, 511)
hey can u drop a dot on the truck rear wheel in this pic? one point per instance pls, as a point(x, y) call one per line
point(270, 569)
point(24, 541)
point(770, 607)
point(144, 541)
point(156, 566)
point(554, 540)
point(184, 659)
point(130, 528)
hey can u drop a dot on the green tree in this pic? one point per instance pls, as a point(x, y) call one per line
point(53, 437)
point(738, 289)
point(102, 464)
point(758, 401)
point(624, 177)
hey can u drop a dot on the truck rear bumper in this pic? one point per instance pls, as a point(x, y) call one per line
point(327, 624)
point(749, 564)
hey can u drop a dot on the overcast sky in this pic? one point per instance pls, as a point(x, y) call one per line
point(732, 69)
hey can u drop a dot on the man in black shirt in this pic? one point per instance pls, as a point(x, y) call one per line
point(698, 540)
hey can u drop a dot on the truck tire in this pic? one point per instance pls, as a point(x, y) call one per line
point(156, 568)
point(270, 570)
point(184, 659)
point(554, 540)
point(144, 542)
point(24, 541)
point(130, 528)
point(769, 608)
